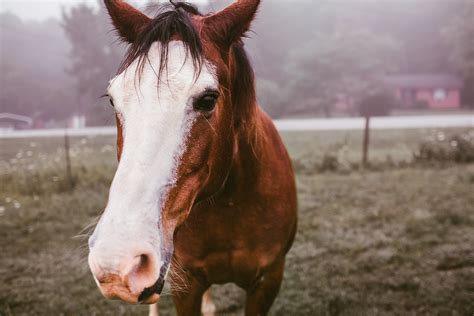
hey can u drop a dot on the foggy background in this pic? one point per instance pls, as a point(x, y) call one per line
point(312, 58)
point(386, 213)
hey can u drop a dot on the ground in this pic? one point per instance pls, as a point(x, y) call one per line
point(392, 239)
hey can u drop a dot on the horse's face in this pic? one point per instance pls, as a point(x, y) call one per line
point(164, 160)
point(175, 142)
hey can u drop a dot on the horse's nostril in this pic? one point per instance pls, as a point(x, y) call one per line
point(125, 277)
point(141, 268)
point(140, 265)
point(141, 272)
point(144, 263)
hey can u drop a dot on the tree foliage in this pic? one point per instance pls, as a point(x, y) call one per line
point(94, 59)
point(459, 34)
point(348, 61)
point(376, 103)
point(32, 63)
point(305, 53)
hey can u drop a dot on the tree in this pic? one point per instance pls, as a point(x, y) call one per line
point(94, 57)
point(32, 63)
point(347, 61)
point(283, 28)
point(460, 36)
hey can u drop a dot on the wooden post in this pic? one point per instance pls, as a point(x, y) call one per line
point(68, 159)
point(365, 158)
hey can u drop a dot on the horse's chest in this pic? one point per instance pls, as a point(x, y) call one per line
point(239, 266)
point(221, 250)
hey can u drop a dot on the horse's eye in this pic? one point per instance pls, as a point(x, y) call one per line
point(206, 102)
point(112, 103)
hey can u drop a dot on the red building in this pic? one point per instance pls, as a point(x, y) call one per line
point(426, 91)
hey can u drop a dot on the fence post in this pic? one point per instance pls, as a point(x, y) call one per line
point(68, 159)
point(365, 158)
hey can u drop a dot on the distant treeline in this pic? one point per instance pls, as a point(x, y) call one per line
point(304, 53)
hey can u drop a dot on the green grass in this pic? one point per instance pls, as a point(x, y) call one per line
point(392, 240)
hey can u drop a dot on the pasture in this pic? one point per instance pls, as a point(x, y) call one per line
point(395, 238)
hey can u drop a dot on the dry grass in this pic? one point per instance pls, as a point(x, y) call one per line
point(392, 241)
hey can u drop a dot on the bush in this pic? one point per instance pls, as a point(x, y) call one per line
point(307, 165)
point(378, 104)
point(458, 149)
point(421, 105)
point(329, 163)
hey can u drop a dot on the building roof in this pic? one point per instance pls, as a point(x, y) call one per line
point(418, 81)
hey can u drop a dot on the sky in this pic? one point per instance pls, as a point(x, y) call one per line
point(43, 9)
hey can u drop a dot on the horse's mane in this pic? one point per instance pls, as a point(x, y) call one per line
point(172, 20)
point(244, 97)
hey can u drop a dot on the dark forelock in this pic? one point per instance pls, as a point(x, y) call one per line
point(173, 20)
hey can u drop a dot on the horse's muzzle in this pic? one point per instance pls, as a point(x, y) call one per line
point(113, 287)
point(130, 279)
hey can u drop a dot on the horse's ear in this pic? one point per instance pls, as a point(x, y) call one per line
point(230, 24)
point(128, 21)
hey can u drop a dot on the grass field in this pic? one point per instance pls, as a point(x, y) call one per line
point(393, 239)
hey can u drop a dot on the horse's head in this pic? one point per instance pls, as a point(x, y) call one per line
point(176, 119)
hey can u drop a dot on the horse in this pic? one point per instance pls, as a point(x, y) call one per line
point(204, 192)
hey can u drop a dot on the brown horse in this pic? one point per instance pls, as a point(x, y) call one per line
point(204, 192)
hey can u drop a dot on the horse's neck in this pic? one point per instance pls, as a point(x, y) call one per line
point(250, 142)
point(250, 121)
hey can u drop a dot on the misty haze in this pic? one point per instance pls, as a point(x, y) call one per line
point(374, 101)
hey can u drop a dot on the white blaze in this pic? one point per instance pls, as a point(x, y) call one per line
point(156, 119)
